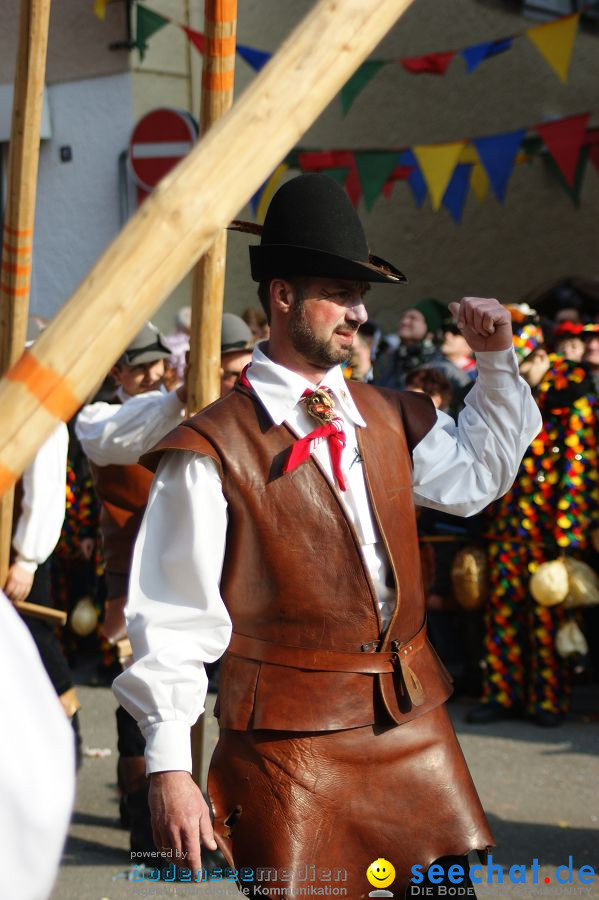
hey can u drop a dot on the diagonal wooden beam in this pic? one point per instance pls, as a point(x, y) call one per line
point(181, 219)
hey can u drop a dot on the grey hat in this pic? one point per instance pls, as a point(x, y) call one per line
point(235, 334)
point(146, 347)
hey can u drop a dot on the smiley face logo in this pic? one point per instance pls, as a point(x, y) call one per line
point(380, 873)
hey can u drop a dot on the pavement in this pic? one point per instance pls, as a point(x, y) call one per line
point(539, 787)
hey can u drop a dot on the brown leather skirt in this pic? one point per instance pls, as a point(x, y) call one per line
point(319, 808)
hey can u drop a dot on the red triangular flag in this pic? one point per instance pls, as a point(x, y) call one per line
point(431, 63)
point(564, 139)
point(196, 38)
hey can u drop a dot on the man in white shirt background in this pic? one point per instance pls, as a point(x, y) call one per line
point(335, 747)
point(113, 436)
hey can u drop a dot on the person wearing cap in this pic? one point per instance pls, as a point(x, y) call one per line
point(568, 340)
point(417, 330)
point(551, 510)
point(113, 435)
point(281, 525)
point(236, 344)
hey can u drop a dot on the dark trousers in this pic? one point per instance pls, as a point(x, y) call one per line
point(43, 633)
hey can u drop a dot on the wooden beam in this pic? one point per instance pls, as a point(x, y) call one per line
point(17, 239)
point(181, 219)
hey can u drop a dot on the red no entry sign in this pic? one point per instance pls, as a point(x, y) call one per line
point(159, 140)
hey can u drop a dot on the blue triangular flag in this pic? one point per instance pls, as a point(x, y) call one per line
point(416, 180)
point(254, 58)
point(497, 153)
point(456, 192)
point(478, 52)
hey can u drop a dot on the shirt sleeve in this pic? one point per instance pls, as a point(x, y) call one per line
point(176, 618)
point(462, 468)
point(118, 434)
point(43, 503)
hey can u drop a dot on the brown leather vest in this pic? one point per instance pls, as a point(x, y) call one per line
point(123, 492)
point(307, 651)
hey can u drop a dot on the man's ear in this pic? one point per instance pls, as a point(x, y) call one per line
point(281, 295)
point(115, 374)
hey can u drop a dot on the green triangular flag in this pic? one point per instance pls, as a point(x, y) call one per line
point(574, 191)
point(338, 174)
point(374, 168)
point(358, 81)
point(148, 23)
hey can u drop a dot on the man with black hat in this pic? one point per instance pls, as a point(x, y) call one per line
point(285, 513)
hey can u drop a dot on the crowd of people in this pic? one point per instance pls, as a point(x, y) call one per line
point(81, 504)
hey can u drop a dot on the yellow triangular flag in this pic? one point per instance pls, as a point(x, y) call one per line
point(437, 162)
point(479, 182)
point(269, 189)
point(555, 41)
point(100, 9)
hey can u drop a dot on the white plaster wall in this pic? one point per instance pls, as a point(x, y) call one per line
point(77, 210)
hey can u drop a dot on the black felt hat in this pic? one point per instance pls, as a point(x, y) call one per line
point(311, 229)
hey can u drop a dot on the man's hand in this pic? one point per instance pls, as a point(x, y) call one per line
point(114, 626)
point(18, 583)
point(180, 816)
point(486, 324)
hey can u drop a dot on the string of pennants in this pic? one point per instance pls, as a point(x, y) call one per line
point(447, 172)
point(554, 40)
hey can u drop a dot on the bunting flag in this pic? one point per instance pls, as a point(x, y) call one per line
point(257, 59)
point(437, 162)
point(100, 9)
point(572, 187)
point(555, 41)
point(264, 194)
point(148, 23)
point(374, 169)
point(447, 171)
point(479, 182)
point(476, 54)
point(358, 82)
point(430, 64)
point(563, 139)
point(196, 38)
point(454, 197)
point(497, 154)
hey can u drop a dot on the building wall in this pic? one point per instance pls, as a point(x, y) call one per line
point(77, 40)
point(499, 249)
point(77, 208)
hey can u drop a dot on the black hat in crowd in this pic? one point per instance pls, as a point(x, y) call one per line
point(311, 229)
point(146, 347)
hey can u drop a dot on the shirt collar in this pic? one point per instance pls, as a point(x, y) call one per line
point(280, 390)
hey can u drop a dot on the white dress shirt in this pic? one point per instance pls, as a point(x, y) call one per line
point(176, 617)
point(117, 434)
point(43, 502)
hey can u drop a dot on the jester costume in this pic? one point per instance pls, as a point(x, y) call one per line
point(550, 510)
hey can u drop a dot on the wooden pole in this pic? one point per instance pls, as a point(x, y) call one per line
point(218, 71)
point(17, 239)
point(53, 616)
point(180, 220)
point(208, 283)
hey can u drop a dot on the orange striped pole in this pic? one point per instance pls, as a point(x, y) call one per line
point(218, 73)
point(17, 238)
point(208, 283)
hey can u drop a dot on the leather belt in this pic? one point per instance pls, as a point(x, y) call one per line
point(374, 663)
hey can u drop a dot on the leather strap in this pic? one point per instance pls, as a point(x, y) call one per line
point(373, 663)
